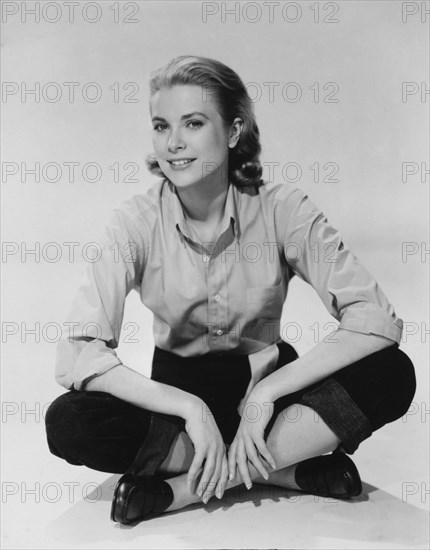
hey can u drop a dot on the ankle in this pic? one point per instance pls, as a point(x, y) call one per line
point(181, 494)
point(285, 477)
point(290, 476)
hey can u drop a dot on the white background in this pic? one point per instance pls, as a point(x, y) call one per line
point(369, 133)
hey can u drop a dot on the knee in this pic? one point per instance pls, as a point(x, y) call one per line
point(402, 382)
point(404, 373)
point(60, 425)
point(58, 412)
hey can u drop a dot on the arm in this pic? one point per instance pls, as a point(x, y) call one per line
point(340, 348)
point(137, 389)
point(349, 292)
point(324, 359)
point(209, 447)
point(86, 357)
point(93, 324)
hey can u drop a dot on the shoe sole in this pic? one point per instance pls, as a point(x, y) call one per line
point(114, 516)
point(113, 507)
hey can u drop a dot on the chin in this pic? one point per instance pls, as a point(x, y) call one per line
point(183, 181)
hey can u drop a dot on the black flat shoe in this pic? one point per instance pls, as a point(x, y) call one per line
point(334, 476)
point(138, 498)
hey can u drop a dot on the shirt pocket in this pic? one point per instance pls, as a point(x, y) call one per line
point(265, 301)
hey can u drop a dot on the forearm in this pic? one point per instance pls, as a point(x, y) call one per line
point(137, 389)
point(339, 349)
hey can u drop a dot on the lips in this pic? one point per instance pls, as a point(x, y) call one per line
point(180, 162)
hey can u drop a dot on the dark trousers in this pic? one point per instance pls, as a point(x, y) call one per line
point(105, 433)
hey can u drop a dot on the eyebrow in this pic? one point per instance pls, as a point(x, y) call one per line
point(183, 117)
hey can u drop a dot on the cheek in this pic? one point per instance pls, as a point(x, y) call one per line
point(214, 144)
point(158, 144)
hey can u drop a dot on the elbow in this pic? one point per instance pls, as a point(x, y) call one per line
point(64, 380)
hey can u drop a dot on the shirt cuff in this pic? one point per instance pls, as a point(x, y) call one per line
point(89, 359)
point(369, 318)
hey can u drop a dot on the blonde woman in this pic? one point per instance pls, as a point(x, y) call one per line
point(211, 248)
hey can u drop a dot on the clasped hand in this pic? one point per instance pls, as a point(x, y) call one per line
point(248, 446)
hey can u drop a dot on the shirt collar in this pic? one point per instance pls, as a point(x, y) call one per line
point(230, 218)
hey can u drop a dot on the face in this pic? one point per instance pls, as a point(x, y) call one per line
point(188, 128)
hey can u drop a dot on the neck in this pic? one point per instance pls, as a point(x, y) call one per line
point(204, 202)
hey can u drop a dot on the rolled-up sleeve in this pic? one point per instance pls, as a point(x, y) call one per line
point(91, 331)
point(315, 251)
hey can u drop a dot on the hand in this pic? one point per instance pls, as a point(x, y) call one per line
point(209, 449)
point(249, 443)
point(251, 386)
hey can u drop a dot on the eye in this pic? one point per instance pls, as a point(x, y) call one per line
point(195, 123)
point(158, 126)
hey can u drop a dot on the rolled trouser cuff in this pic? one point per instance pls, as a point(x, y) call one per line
point(340, 412)
point(162, 432)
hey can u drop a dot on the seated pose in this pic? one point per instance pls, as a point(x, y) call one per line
point(211, 248)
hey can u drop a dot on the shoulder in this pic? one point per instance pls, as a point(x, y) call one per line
point(284, 197)
point(289, 207)
point(139, 207)
point(132, 219)
point(281, 200)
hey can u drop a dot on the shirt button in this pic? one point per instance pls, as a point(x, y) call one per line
point(205, 257)
point(217, 297)
point(220, 332)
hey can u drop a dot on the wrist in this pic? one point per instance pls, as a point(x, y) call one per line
point(261, 393)
point(193, 406)
point(278, 383)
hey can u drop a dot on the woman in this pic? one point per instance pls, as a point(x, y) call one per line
point(211, 248)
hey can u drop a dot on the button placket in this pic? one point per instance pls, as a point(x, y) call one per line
point(216, 315)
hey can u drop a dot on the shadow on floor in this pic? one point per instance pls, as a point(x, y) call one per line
point(375, 516)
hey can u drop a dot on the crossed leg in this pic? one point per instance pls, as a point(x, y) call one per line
point(289, 443)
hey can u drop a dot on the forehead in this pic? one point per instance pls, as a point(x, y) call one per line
point(181, 99)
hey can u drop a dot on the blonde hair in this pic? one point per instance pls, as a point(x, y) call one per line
point(231, 99)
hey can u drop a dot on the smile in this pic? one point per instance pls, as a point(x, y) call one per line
point(182, 162)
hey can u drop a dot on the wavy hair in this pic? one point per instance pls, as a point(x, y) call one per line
point(231, 99)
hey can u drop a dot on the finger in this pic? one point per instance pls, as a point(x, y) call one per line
point(242, 465)
point(232, 460)
point(255, 460)
point(209, 467)
point(264, 452)
point(195, 467)
point(211, 486)
point(219, 492)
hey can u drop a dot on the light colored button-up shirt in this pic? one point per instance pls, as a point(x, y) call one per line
point(225, 296)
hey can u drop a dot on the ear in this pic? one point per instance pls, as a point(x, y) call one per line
point(235, 131)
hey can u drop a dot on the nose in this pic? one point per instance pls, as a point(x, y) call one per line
point(175, 141)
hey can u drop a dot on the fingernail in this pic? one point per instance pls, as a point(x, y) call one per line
point(230, 477)
point(266, 476)
point(248, 486)
point(273, 465)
